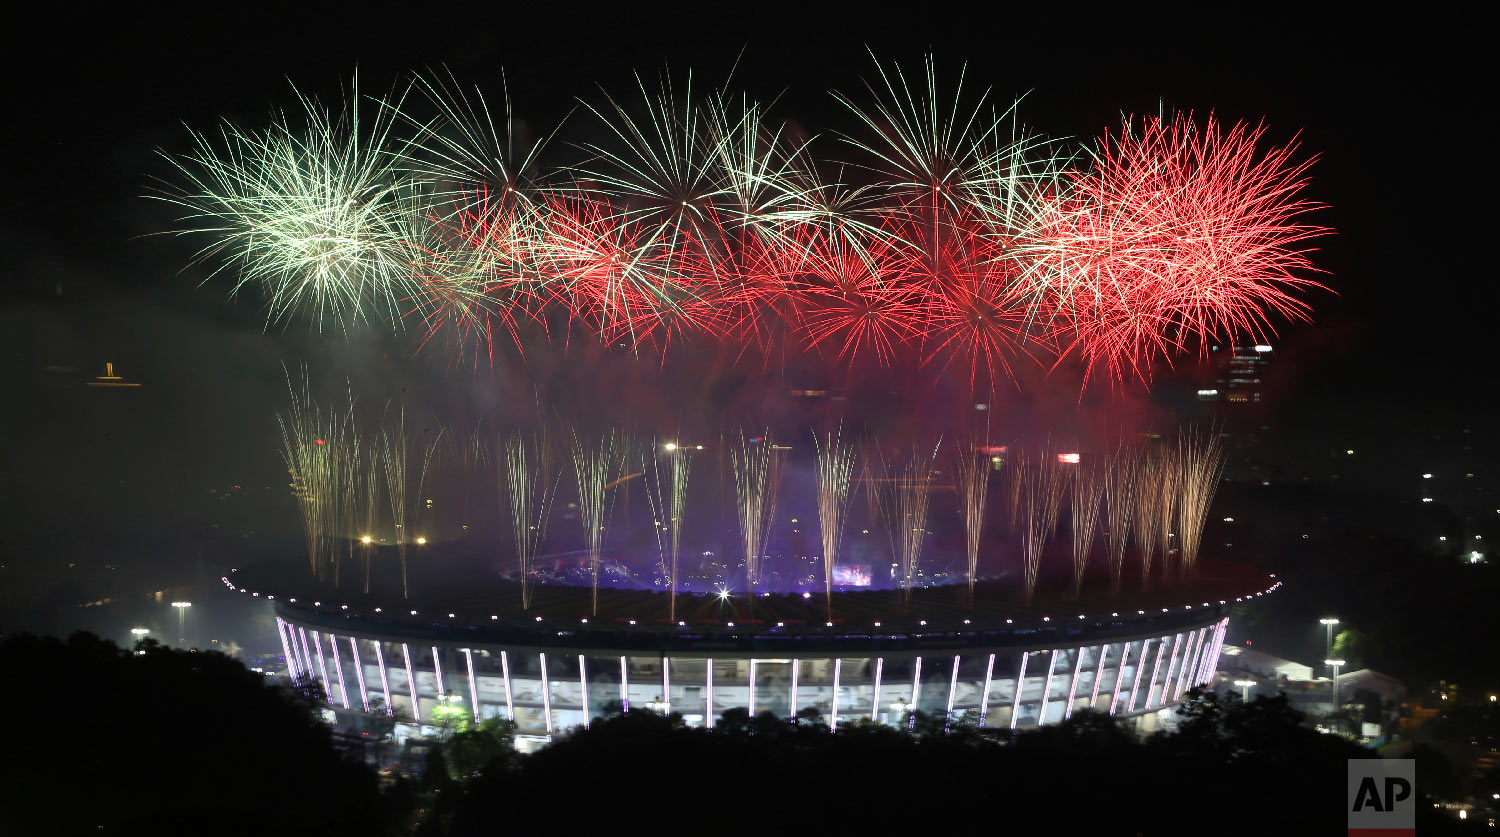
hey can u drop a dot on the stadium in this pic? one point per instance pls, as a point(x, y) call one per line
point(469, 651)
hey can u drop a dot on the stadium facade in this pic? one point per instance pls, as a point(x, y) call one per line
point(550, 675)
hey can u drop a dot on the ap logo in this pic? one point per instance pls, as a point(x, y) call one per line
point(1382, 797)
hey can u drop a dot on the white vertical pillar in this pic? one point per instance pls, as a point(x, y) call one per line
point(1203, 673)
point(1140, 669)
point(833, 715)
point(1203, 659)
point(1073, 686)
point(1161, 647)
point(385, 683)
point(952, 688)
point(411, 685)
point(666, 686)
point(359, 672)
point(473, 684)
point(875, 695)
point(1041, 715)
point(437, 671)
point(546, 694)
point(338, 663)
point(708, 712)
point(1189, 661)
point(751, 704)
point(1213, 661)
point(1015, 708)
point(916, 687)
point(583, 688)
point(306, 657)
point(984, 697)
point(286, 650)
point(1099, 674)
point(1120, 674)
point(796, 665)
point(624, 685)
point(317, 642)
point(510, 706)
point(1166, 680)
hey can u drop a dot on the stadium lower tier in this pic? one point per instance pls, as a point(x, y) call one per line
point(546, 690)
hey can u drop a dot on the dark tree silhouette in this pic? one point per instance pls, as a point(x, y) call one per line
point(167, 742)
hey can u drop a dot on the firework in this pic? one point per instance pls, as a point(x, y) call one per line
point(835, 466)
point(1042, 486)
point(1088, 490)
point(316, 212)
point(681, 468)
point(396, 458)
point(1121, 475)
point(321, 450)
point(913, 493)
point(597, 462)
point(971, 243)
point(1154, 505)
point(528, 482)
point(971, 472)
point(1200, 459)
point(1180, 232)
point(369, 481)
point(757, 483)
point(306, 463)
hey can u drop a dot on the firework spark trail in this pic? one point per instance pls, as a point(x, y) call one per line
point(317, 213)
point(1013, 494)
point(882, 486)
point(529, 480)
point(1181, 231)
point(682, 465)
point(369, 480)
point(913, 496)
point(1167, 508)
point(835, 467)
point(1121, 477)
point(1042, 491)
point(396, 458)
point(971, 470)
point(649, 455)
point(971, 242)
point(305, 462)
point(757, 484)
point(597, 463)
point(346, 461)
point(1150, 521)
point(1087, 491)
point(1200, 459)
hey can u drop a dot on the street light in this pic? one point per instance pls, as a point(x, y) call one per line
point(1244, 689)
point(1328, 623)
point(182, 620)
point(1335, 664)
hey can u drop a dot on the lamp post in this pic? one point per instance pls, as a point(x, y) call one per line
point(1335, 664)
point(1244, 689)
point(1328, 623)
point(182, 621)
point(139, 634)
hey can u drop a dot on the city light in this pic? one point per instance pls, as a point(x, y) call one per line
point(365, 540)
point(421, 541)
point(670, 446)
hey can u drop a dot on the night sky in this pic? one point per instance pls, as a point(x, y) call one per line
point(1395, 107)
